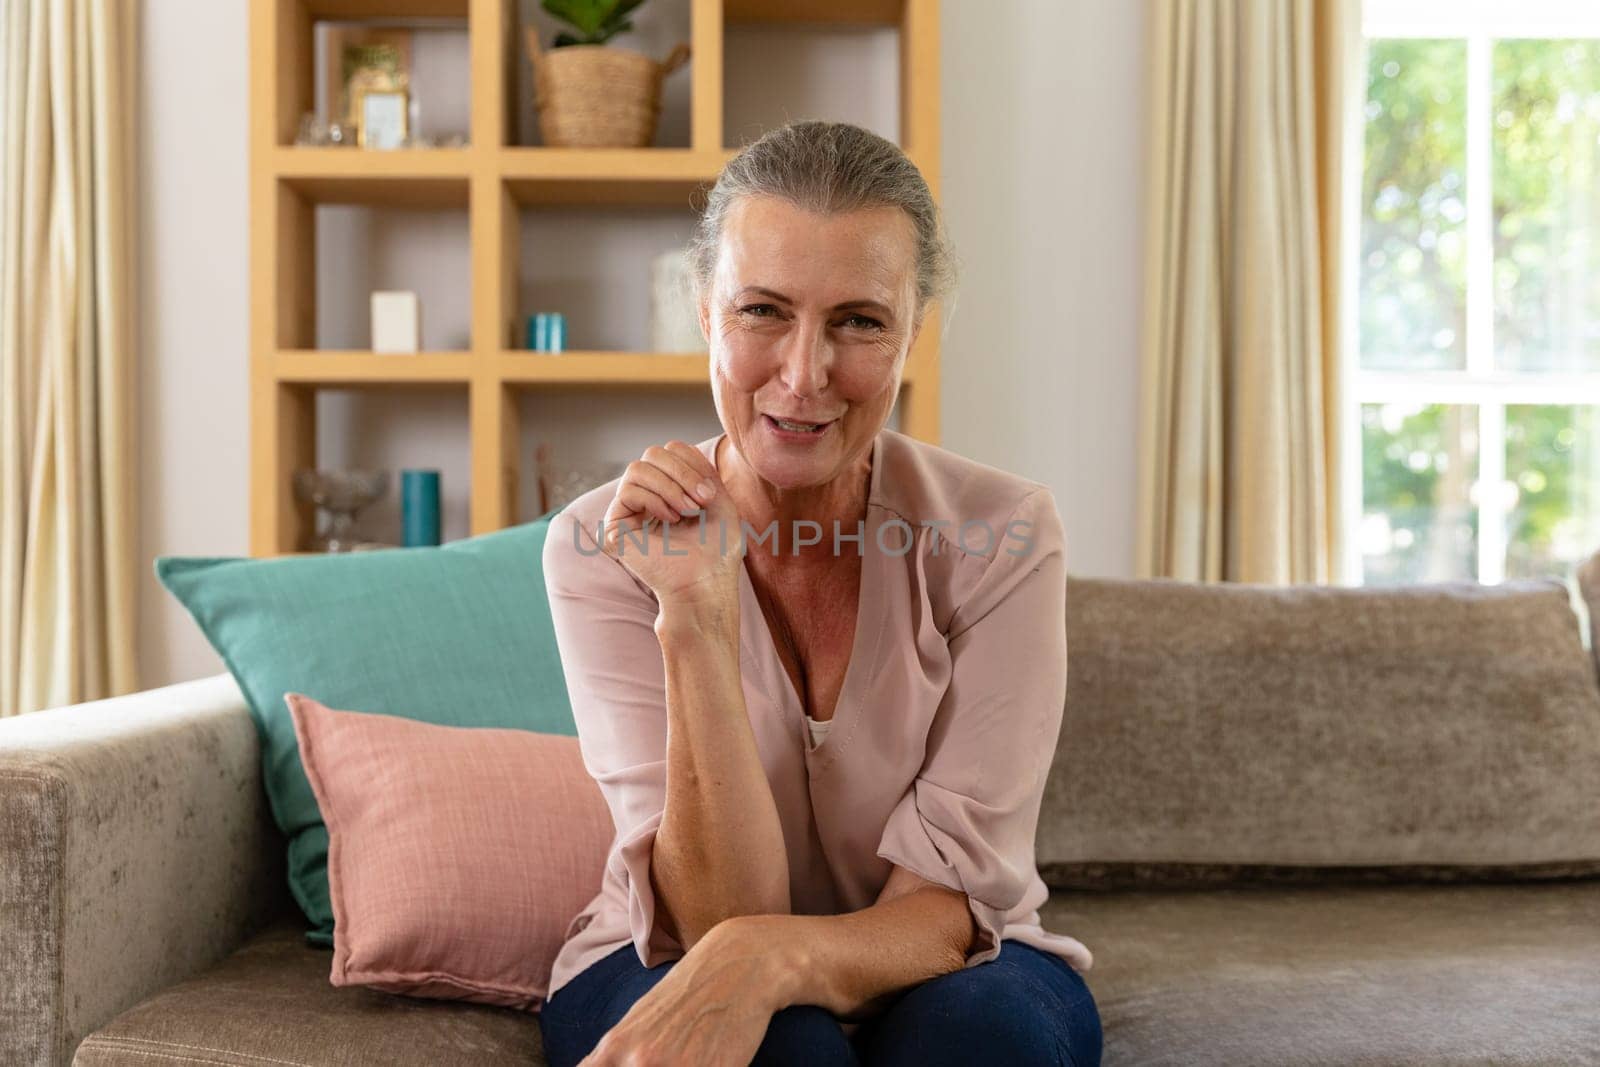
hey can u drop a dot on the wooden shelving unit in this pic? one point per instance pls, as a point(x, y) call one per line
point(493, 180)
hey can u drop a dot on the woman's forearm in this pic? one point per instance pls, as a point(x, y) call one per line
point(719, 851)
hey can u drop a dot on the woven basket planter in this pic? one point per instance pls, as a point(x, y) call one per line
point(598, 96)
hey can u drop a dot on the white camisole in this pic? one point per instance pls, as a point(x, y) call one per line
point(819, 730)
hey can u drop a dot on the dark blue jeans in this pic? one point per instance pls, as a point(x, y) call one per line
point(1022, 1007)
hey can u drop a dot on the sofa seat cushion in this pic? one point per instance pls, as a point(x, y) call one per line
point(270, 1003)
point(1508, 974)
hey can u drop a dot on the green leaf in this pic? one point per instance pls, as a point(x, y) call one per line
point(616, 20)
point(587, 16)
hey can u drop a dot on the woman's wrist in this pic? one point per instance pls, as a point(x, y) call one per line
point(706, 610)
point(779, 943)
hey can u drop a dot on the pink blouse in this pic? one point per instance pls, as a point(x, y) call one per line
point(945, 727)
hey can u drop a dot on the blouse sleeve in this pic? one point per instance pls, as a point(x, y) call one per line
point(605, 632)
point(968, 820)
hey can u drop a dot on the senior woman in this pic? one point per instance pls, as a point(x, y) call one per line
point(818, 670)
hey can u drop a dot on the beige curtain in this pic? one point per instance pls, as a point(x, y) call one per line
point(1239, 436)
point(66, 351)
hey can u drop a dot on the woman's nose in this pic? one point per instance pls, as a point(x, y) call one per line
point(807, 360)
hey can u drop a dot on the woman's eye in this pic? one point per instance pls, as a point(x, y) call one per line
point(770, 311)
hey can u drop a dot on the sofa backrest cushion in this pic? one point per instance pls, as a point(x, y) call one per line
point(1230, 732)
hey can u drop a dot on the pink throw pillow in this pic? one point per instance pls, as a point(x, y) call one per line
point(457, 856)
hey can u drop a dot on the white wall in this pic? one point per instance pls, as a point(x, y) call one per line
point(1043, 115)
point(194, 304)
point(1043, 111)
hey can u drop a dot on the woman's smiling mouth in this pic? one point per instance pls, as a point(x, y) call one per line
point(794, 428)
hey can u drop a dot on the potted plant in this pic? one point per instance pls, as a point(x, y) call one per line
point(591, 94)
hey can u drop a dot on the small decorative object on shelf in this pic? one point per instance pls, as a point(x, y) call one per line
point(315, 132)
point(563, 481)
point(419, 507)
point(592, 95)
point(342, 494)
point(363, 58)
point(383, 122)
point(547, 331)
point(674, 320)
point(396, 321)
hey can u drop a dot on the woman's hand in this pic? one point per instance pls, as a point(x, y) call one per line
point(711, 1009)
point(673, 524)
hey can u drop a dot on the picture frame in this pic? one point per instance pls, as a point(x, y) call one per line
point(382, 117)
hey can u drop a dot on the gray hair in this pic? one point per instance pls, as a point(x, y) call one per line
point(828, 168)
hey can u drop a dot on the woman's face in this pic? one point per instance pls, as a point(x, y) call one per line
point(809, 319)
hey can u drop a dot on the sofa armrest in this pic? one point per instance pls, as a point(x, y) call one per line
point(136, 849)
point(1589, 590)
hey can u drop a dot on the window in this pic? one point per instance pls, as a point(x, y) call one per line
point(1473, 417)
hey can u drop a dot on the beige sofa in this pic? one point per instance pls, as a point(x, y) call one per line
point(1294, 825)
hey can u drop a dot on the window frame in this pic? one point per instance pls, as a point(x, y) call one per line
point(1479, 384)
